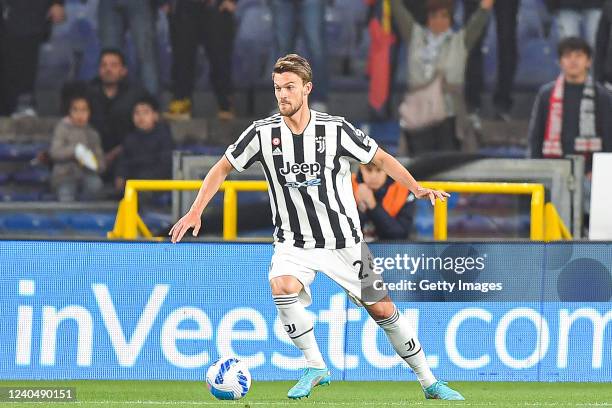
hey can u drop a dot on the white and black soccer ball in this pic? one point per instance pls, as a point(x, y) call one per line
point(228, 379)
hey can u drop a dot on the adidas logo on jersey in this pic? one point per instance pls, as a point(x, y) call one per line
point(277, 151)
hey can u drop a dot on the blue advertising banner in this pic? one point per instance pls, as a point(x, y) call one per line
point(111, 310)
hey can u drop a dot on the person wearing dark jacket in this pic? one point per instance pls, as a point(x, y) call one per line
point(572, 15)
point(112, 99)
point(572, 114)
point(603, 47)
point(24, 26)
point(386, 208)
point(147, 150)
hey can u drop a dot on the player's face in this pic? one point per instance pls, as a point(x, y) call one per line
point(79, 112)
point(575, 64)
point(144, 117)
point(290, 92)
point(111, 69)
point(439, 21)
point(373, 177)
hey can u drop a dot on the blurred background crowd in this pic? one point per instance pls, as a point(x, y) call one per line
point(95, 92)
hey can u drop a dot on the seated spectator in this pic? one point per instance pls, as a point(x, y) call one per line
point(147, 151)
point(77, 154)
point(577, 16)
point(112, 98)
point(437, 59)
point(386, 208)
point(572, 114)
point(603, 47)
point(24, 27)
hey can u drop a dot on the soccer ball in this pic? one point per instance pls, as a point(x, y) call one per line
point(228, 379)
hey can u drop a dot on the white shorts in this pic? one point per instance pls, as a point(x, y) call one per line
point(351, 268)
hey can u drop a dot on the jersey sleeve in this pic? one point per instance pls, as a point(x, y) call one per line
point(357, 144)
point(245, 151)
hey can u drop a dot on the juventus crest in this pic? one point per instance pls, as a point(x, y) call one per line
point(320, 142)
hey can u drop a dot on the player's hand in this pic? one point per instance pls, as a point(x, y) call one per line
point(366, 196)
point(422, 192)
point(189, 220)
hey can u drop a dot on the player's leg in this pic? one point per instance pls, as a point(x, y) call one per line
point(352, 269)
point(403, 338)
point(290, 276)
point(296, 320)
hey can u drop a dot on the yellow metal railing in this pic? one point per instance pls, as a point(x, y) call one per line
point(535, 190)
point(545, 221)
point(128, 224)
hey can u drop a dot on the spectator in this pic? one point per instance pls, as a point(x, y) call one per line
point(572, 114)
point(436, 55)
point(572, 15)
point(309, 15)
point(386, 208)
point(603, 50)
point(506, 12)
point(76, 153)
point(115, 17)
point(24, 26)
point(147, 151)
point(211, 23)
point(112, 98)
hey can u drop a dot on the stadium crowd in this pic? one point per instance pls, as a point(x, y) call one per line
point(115, 129)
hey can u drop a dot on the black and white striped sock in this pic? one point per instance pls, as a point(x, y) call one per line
point(299, 326)
point(405, 342)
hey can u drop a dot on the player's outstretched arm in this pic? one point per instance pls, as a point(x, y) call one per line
point(397, 172)
point(210, 186)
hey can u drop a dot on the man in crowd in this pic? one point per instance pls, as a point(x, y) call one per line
point(572, 114)
point(112, 99)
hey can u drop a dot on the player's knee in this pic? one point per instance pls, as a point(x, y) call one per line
point(285, 285)
point(381, 310)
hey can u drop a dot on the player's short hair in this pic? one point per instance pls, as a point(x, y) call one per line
point(112, 51)
point(293, 63)
point(570, 44)
point(432, 6)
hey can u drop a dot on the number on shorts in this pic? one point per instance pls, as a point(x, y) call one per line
point(361, 275)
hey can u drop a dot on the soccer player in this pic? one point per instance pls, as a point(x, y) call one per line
point(305, 157)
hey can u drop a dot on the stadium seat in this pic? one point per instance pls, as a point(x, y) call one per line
point(32, 175)
point(87, 221)
point(16, 196)
point(20, 152)
point(31, 221)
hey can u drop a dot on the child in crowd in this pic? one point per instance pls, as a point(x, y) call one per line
point(77, 155)
point(386, 208)
point(147, 151)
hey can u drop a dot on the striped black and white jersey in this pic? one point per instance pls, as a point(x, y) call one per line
point(309, 177)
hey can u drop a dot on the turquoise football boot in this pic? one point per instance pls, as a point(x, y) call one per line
point(441, 390)
point(310, 379)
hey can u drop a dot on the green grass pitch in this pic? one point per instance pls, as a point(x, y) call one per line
point(109, 394)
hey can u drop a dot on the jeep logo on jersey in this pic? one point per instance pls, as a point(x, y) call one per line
point(308, 169)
